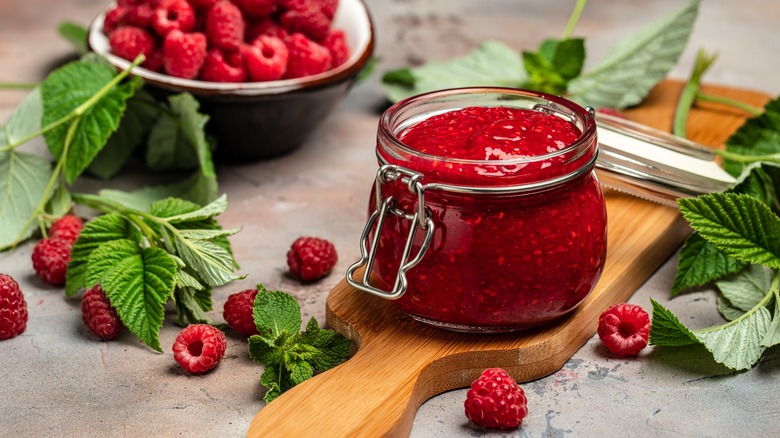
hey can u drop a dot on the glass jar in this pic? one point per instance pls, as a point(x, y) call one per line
point(483, 245)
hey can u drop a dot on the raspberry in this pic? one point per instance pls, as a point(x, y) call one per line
point(266, 58)
point(624, 329)
point(129, 41)
point(199, 347)
point(50, 259)
point(224, 26)
point(311, 258)
point(98, 314)
point(327, 7)
point(611, 112)
point(67, 227)
point(266, 27)
point(495, 401)
point(184, 54)
point(13, 308)
point(221, 67)
point(173, 15)
point(238, 312)
point(139, 16)
point(154, 61)
point(336, 43)
point(310, 22)
point(203, 4)
point(113, 19)
point(257, 8)
point(306, 57)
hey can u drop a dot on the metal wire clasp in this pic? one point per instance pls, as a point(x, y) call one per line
point(421, 218)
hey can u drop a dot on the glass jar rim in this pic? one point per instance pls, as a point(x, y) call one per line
point(588, 130)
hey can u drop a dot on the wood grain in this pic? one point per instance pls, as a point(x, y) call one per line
point(400, 363)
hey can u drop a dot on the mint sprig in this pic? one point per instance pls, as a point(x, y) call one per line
point(289, 355)
point(174, 250)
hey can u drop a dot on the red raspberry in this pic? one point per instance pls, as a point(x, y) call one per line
point(203, 4)
point(266, 58)
point(311, 258)
point(98, 314)
point(129, 41)
point(310, 22)
point(67, 227)
point(266, 27)
point(173, 15)
point(327, 7)
point(224, 26)
point(222, 67)
point(199, 347)
point(257, 8)
point(139, 16)
point(495, 401)
point(624, 329)
point(611, 112)
point(238, 312)
point(184, 54)
point(113, 19)
point(50, 259)
point(131, 3)
point(13, 308)
point(154, 61)
point(336, 43)
point(306, 57)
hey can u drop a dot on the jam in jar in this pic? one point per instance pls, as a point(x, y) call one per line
point(486, 215)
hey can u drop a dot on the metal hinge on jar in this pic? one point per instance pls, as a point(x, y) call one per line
point(421, 218)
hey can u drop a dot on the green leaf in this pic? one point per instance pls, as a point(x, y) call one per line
point(25, 120)
point(188, 306)
point(211, 261)
point(207, 234)
point(60, 203)
point(214, 208)
point(492, 63)
point(667, 330)
point(75, 34)
point(23, 181)
point(760, 184)
point(299, 371)
point(701, 262)
point(264, 351)
point(554, 65)
point(635, 64)
point(757, 136)
point(746, 289)
point(63, 92)
point(96, 233)
point(772, 337)
point(740, 226)
point(138, 282)
point(141, 112)
point(184, 279)
point(728, 310)
point(168, 148)
point(276, 312)
point(170, 207)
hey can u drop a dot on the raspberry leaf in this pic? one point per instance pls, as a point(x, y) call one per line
point(97, 232)
point(138, 281)
point(758, 136)
point(667, 330)
point(214, 208)
point(634, 65)
point(746, 289)
point(492, 63)
point(772, 337)
point(738, 225)
point(276, 312)
point(728, 310)
point(75, 34)
point(25, 120)
point(192, 304)
point(700, 262)
point(73, 93)
point(23, 181)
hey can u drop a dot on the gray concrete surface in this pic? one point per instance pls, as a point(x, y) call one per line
point(59, 381)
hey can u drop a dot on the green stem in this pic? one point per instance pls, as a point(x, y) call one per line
point(573, 19)
point(764, 301)
point(701, 65)
point(17, 85)
point(729, 101)
point(733, 156)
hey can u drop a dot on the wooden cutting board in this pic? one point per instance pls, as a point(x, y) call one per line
point(400, 363)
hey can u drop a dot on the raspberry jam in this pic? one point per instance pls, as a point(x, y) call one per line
point(487, 216)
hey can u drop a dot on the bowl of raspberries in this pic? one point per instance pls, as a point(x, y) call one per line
point(267, 72)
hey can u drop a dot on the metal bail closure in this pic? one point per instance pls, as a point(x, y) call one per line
point(421, 218)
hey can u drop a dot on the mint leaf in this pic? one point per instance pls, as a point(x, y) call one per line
point(740, 226)
point(276, 312)
point(140, 114)
point(75, 34)
point(96, 233)
point(746, 289)
point(757, 136)
point(667, 330)
point(492, 63)
point(300, 370)
point(64, 92)
point(635, 64)
point(699, 263)
point(554, 65)
point(23, 181)
point(265, 351)
point(137, 281)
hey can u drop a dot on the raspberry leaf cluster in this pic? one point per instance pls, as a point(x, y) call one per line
point(289, 355)
point(143, 258)
point(622, 78)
